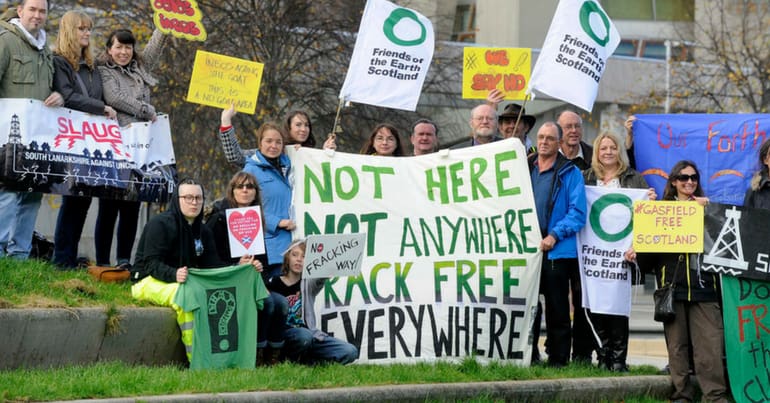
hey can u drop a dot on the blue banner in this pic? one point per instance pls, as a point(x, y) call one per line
point(723, 146)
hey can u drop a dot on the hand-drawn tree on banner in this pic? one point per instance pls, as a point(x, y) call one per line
point(730, 67)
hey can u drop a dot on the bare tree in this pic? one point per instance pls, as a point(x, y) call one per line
point(730, 66)
point(306, 48)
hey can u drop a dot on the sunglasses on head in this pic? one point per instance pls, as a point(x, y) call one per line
point(685, 178)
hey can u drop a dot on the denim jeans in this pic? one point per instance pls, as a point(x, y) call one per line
point(303, 348)
point(18, 213)
point(105, 225)
point(69, 226)
point(271, 320)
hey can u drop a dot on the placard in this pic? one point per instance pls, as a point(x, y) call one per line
point(506, 69)
point(219, 80)
point(334, 255)
point(668, 226)
point(244, 227)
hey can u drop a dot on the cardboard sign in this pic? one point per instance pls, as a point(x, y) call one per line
point(334, 255)
point(219, 80)
point(180, 18)
point(668, 226)
point(244, 227)
point(507, 69)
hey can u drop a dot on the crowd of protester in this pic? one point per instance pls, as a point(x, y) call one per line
point(117, 85)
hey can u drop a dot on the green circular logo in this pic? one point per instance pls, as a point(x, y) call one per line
point(586, 10)
point(596, 212)
point(394, 18)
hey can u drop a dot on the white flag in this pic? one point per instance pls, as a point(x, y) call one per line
point(575, 52)
point(391, 58)
point(602, 243)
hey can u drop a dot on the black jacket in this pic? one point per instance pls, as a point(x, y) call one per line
point(758, 195)
point(169, 242)
point(684, 269)
point(66, 83)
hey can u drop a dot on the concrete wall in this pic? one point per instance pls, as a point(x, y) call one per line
point(43, 338)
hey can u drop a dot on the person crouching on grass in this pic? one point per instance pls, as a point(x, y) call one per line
point(304, 342)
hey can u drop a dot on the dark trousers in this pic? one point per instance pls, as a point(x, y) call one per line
point(105, 225)
point(583, 338)
point(554, 285)
point(613, 334)
point(69, 226)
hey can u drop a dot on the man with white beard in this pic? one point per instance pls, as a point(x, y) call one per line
point(483, 127)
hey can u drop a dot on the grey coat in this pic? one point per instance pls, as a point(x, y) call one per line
point(127, 89)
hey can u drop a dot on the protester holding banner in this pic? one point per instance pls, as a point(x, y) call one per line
point(243, 191)
point(127, 82)
point(305, 343)
point(758, 195)
point(609, 168)
point(698, 322)
point(560, 203)
point(297, 125)
point(23, 53)
point(514, 121)
point(79, 82)
point(573, 147)
point(271, 167)
point(424, 137)
point(483, 127)
point(383, 141)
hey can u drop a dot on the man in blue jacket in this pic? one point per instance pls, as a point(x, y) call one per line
point(560, 201)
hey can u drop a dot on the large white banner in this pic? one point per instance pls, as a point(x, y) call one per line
point(575, 52)
point(605, 275)
point(60, 150)
point(391, 58)
point(451, 267)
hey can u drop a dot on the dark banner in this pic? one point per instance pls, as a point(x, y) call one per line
point(58, 150)
point(736, 241)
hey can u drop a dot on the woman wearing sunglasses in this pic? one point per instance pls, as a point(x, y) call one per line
point(242, 191)
point(698, 324)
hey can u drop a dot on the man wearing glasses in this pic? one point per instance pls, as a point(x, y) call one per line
point(572, 146)
point(483, 127)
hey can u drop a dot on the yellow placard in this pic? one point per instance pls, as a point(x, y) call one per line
point(507, 69)
point(668, 226)
point(219, 80)
point(180, 18)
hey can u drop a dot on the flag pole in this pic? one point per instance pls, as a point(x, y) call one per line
point(336, 128)
point(521, 110)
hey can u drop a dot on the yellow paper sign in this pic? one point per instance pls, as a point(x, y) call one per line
point(668, 226)
point(180, 18)
point(507, 69)
point(220, 80)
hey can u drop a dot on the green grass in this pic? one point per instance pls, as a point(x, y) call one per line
point(38, 284)
point(105, 380)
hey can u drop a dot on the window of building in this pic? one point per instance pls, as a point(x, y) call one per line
point(653, 49)
point(465, 23)
point(650, 10)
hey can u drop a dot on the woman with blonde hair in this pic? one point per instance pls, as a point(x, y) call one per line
point(609, 168)
point(80, 84)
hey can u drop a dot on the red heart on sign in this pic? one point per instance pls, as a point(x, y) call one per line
point(245, 227)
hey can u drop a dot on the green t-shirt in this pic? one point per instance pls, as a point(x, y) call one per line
point(224, 304)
